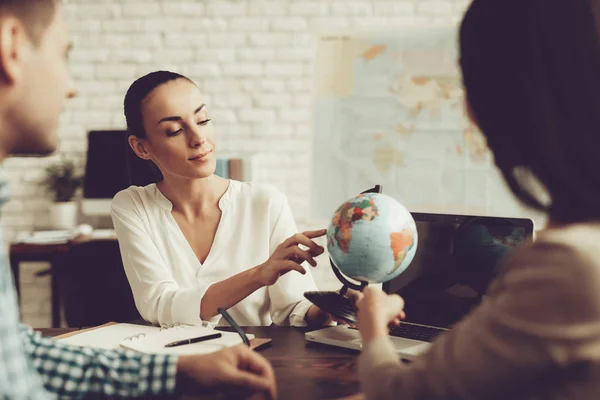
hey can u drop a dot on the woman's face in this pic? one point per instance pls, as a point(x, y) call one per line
point(180, 136)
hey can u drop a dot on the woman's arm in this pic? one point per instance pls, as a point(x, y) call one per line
point(161, 300)
point(286, 257)
point(229, 292)
point(288, 304)
point(541, 317)
point(158, 297)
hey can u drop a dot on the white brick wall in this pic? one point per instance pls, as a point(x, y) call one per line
point(252, 58)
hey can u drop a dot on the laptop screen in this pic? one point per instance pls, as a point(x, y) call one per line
point(457, 257)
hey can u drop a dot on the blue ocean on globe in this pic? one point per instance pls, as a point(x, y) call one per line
point(372, 238)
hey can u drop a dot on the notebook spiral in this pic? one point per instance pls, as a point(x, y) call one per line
point(134, 337)
point(151, 339)
point(166, 327)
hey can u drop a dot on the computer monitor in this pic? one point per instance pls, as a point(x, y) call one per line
point(457, 258)
point(111, 167)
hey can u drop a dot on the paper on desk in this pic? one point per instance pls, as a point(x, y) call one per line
point(44, 237)
point(155, 342)
point(152, 339)
point(62, 236)
point(99, 234)
point(108, 336)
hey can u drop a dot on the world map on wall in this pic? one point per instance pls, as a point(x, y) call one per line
point(382, 103)
point(423, 101)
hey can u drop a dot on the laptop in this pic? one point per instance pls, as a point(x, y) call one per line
point(457, 258)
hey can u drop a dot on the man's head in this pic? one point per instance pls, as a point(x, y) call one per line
point(34, 77)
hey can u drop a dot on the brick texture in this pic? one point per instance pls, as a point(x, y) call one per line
point(252, 58)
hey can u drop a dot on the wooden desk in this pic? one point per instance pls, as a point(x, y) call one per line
point(303, 370)
point(51, 253)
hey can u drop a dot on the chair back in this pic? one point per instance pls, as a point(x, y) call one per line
point(94, 287)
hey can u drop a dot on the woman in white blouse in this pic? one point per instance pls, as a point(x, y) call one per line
point(195, 241)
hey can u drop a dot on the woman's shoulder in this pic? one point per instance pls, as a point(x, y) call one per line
point(579, 241)
point(569, 256)
point(132, 197)
point(259, 193)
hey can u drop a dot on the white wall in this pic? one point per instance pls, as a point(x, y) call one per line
point(253, 59)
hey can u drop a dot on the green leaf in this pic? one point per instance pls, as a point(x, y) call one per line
point(62, 180)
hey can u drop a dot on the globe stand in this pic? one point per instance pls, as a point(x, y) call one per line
point(335, 302)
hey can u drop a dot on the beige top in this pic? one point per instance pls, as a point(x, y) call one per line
point(537, 336)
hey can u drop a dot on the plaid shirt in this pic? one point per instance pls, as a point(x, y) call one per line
point(35, 367)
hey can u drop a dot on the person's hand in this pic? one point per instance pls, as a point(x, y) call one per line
point(377, 311)
point(317, 317)
point(288, 256)
point(235, 369)
point(353, 295)
point(358, 396)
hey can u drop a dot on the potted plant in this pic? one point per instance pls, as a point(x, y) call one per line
point(62, 180)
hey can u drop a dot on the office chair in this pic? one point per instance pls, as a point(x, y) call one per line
point(94, 287)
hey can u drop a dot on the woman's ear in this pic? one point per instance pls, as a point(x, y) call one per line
point(469, 110)
point(139, 147)
point(13, 49)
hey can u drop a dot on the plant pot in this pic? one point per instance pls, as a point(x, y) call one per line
point(63, 215)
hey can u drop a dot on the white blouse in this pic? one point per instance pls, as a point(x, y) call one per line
point(167, 279)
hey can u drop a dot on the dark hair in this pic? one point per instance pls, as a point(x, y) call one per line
point(531, 70)
point(137, 92)
point(35, 14)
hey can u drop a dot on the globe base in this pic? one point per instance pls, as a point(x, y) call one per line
point(335, 304)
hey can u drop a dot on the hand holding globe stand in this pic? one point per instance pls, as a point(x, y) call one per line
point(372, 238)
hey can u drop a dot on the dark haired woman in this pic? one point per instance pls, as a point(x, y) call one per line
point(194, 241)
point(531, 71)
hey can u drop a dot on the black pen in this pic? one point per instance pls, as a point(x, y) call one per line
point(194, 340)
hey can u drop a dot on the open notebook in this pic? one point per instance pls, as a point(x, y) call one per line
point(151, 339)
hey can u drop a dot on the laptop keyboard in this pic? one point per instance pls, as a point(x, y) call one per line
point(416, 332)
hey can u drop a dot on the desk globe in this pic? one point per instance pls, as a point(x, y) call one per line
point(371, 238)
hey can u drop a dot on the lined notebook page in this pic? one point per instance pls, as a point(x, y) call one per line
point(109, 337)
point(155, 342)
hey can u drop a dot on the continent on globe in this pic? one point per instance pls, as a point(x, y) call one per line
point(372, 238)
point(402, 243)
point(360, 208)
point(372, 52)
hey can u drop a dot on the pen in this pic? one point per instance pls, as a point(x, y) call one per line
point(235, 326)
point(194, 340)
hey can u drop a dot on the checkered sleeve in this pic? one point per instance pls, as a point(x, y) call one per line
point(18, 379)
point(73, 371)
